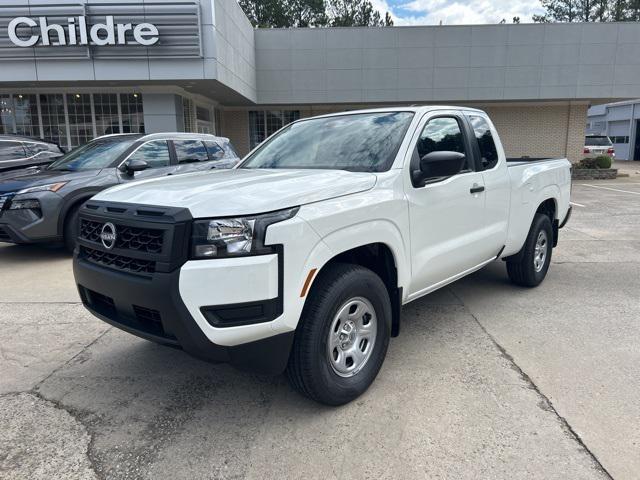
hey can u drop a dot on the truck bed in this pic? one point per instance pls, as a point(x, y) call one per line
point(522, 160)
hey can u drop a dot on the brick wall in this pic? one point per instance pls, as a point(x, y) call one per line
point(533, 130)
point(540, 131)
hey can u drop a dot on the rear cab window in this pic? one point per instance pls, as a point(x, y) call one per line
point(485, 142)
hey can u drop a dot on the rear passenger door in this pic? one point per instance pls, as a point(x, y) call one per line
point(191, 156)
point(493, 165)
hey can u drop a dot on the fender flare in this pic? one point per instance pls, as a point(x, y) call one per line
point(70, 202)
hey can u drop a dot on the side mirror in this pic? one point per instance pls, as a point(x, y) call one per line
point(133, 166)
point(439, 164)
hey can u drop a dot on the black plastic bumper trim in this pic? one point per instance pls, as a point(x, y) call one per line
point(160, 292)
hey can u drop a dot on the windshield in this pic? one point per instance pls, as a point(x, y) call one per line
point(597, 141)
point(360, 142)
point(94, 155)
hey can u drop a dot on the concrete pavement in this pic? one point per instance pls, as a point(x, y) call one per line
point(486, 380)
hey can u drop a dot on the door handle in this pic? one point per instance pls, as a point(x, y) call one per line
point(476, 188)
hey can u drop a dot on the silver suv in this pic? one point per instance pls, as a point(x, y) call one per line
point(41, 204)
point(596, 145)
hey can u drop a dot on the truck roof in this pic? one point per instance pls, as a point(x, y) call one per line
point(402, 108)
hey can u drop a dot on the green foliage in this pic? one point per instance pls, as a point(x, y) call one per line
point(589, 11)
point(603, 161)
point(313, 13)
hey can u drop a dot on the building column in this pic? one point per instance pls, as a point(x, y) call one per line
point(162, 113)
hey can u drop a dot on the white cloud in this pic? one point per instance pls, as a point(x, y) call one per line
point(452, 12)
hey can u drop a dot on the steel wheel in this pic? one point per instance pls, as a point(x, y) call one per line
point(352, 337)
point(540, 251)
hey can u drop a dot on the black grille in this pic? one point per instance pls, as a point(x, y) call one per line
point(147, 315)
point(4, 235)
point(146, 240)
point(119, 262)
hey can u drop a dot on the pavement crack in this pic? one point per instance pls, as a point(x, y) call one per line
point(545, 403)
point(82, 350)
point(77, 416)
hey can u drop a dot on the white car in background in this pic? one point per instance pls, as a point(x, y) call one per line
point(596, 145)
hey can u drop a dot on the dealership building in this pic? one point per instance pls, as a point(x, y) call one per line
point(620, 121)
point(74, 70)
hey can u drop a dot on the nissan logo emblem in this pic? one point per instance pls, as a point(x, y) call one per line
point(108, 235)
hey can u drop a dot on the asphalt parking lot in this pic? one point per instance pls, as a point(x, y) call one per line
point(487, 380)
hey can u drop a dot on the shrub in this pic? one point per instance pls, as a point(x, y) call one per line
point(603, 161)
point(588, 163)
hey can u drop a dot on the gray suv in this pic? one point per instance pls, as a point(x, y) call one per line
point(41, 204)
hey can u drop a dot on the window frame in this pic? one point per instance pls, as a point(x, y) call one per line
point(476, 144)
point(414, 160)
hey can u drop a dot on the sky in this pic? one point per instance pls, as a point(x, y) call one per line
point(454, 12)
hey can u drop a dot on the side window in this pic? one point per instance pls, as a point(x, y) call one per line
point(488, 152)
point(190, 151)
point(11, 151)
point(442, 134)
point(155, 153)
point(216, 152)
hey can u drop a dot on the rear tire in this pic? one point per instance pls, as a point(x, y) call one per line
point(531, 268)
point(71, 228)
point(343, 335)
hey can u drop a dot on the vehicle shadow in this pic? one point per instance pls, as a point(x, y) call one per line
point(31, 253)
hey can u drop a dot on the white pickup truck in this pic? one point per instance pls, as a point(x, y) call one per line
point(301, 258)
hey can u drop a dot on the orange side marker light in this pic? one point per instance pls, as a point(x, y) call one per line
point(307, 282)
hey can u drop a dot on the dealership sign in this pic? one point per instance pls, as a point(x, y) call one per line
point(84, 29)
point(76, 32)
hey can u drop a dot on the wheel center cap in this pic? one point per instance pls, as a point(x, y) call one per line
point(347, 334)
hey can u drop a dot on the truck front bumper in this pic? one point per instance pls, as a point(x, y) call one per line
point(153, 308)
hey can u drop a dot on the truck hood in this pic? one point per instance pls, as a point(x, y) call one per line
point(241, 191)
point(14, 181)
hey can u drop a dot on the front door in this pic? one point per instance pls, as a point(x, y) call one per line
point(446, 214)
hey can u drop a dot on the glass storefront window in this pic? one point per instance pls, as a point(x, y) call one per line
point(106, 110)
point(6, 114)
point(132, 117)
point(26, 115)
point(80, 120)
point(264, 123)
point(71, 119)
point(54, 124)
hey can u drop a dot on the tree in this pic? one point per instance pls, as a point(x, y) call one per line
point(283, 14)
point(589, 11)
point(313, 13)
point(355, 13)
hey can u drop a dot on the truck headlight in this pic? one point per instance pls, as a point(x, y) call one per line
point(232, 237)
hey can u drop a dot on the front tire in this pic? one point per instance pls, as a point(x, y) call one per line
point(531, 267)
point(71, 228)
point(343, 335)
